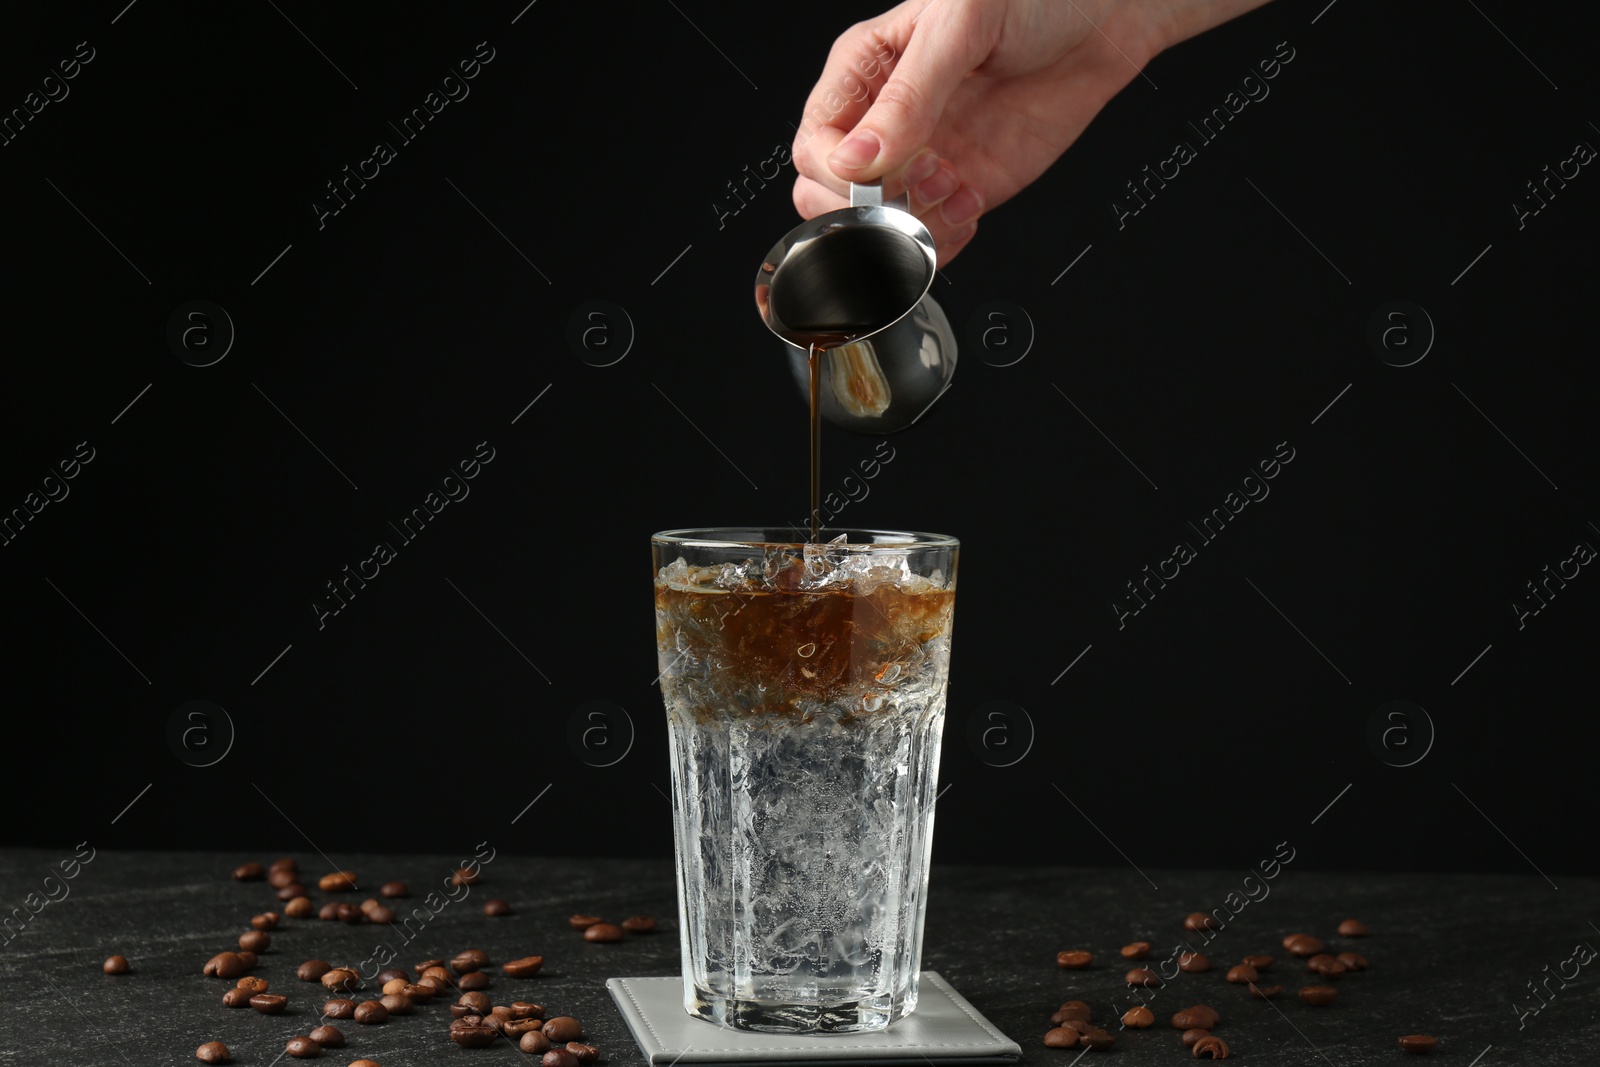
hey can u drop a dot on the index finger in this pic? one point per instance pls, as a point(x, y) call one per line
point(858, 65)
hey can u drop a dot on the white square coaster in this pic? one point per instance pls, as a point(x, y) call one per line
point(944, 1029)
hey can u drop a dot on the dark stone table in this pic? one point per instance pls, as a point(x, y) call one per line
point(1451, 955)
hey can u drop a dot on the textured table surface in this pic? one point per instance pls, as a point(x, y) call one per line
point(1451, 955)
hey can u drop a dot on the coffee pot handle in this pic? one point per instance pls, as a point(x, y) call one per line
point(870, 194)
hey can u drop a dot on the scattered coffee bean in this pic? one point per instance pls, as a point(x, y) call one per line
point(252, 983)
point(1072, 960)
point(255, 941)
point(267, 920)
point(1242, 974)
point(1318, 995)
point(389, 974)
point(349, 913)
point(466, 876)
point(381, 914)
point(1142, 976)
point(237, 998)
point(1072, 1009)
point(534, 1042)
point(1193, 962)
point(329, 911)
point(212, 1052)
point(1353, 961)
point(436, 971)
point(248, 872)
point(328, 1036)
point(225, 965)
point(392, 889)
point(563, 1028)
point(586, 1053)
point(1201, 1016)
point(1210, 1047)
point(440, 986)
point(247, 959)
point(472, 1034)
point(1303, 945)
point(302, 1048)
point(1419, 1042)
point(639, 924)
point(1199, 920)
point(604, 932)
point(340, 978)
point(477, 956)
point(1060, 1037)
point(339, 1009)
point(1265, 992)
point(419, 994)
point(1260, 963)
point(1079, 1026)
point(115, 965)
point(515, 1028)
point(1139, 1017)
point(473, 980)
point(1325, 965)
point(312, 970)
point(1136, 951)
point(365, 1063)
point(371, 1012)
point(279, 877)
point(526, 967)
point(290, 891)
point(337, 882)
point(269, 1003)
point(1353, 928)
point(422, 968)
point(394, 985)
point(559, 1057)
point(583, 922)
point(477, 1003)
point(496, 908)
point(368, 904)
point(1189, 1037)
point(1099, 1040)
point(395, 1004)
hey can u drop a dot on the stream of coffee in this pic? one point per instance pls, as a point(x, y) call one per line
point(818, 342)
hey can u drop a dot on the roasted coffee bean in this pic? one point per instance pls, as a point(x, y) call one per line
point(422, 968)
point(255, 941)
point(1189, 1037)
point(419, 994)
point(394, 985)
point(436, 971)
point(1139, 1017)
point(225, 965)
point(472, 980)
point(1318, 995)
point(1073, 960)
point(466, 876)
point(1099, 1040)
point(392, 889)
point(477, 1002)
point(1210, 1047)
point(526, 967)
point(269, 1003)
point(639, 924)
point(496, 908)
point(1074, 1009)
point(1242, 974)
point(459, 1011)
point(212, 1052)
point(1326, 965)
point(381, 914)
point(465, 963)
point(248, 872)
point(1353, 961)
point(1142, 976)
point(115, 965)
point(472, 1034)
point(1202, 1016)
point(328, 1036)
point(339, 1009)
point(1419, 1042)
point(1265, 992)
point(1260, 963)
point(1353, 928)
point(368, 904)
point(1303, 945)
point(606, 932)
point(349, 913)
point(515, 1028)
point(290, 891)
point(312, 970)
point(525, 1009)
point(267, 920)
point(396, 1003)
point(586, 1053)
point(365, 1063)
point(1136, 951)
point(247, 959)
point(563, 1028)
point(252, 983)
point(302, 1048)
point(371, 1012)
point(440, 986)
point(534, 1042)
point(389, 974)
point(583, 922)
point(1199, 920)
point(341, 978)
point(1193, 962)
point(337, 882)
point(279, 877)
point(328, 912)
point(1079, 1026)
point(559, 1057)
point(237, 998)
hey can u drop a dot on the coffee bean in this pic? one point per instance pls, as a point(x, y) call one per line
point(477, 1002)
point(563, 1028)
point(337, 882)
point(394, 985)
point(1200, 1016)
point(1189, 1037)
point(381, 914)
point(255, 941)
point(349, 913)
point(559, 1057)
point(248, 872)
point(1303, 945)
point(1242, 974)
point(225, 965)
point(586, 1053)
point(1139, 1017)
point(371, 1012)
point(422, 968)
point(534, 1042)
point(469, 961)
point(279, 877)
point(1142, 976)
point(115, 965)
point(328, 911)
point(472, 1034)
point(1075, 1009)
point(1419, 1043)
point(434, 970)
point(302, 1048)
point(526, 1009)
point(1325, 965)
point(496, 908)
point(341, 978)
point(1060, 1038)
point(466, 876)
point(1073, 960)
point(269, 1003)
point(639, 924)
point(212, 1052)
point(526, 967)
point(389, 974)
point(237, 998)
point(285, 863)
point(583, 922)
point(311, 970)
point(267, 920)
point(1199, 920)
point(439, 986)
point(290, 891)
point(472, 981)
point(604, 932)
point(1079, 1026)
point(365, 1063)
point(1193, 962)
point(1260, 963)
point(1353, 928)
point(395, 1004)
point(1353, 961)
point(419, 994)
point(252, 983)
point(392, 889)
point(1210, 1047)
point(1318, 995)
point(339, 1009)
point(328, 1036)
point(1136, 951)
point(247, 959)
point(1099, 1040)
point(515, 1028)
point(1265, 992)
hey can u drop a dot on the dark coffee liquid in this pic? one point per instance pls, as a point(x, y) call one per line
point(818, 343)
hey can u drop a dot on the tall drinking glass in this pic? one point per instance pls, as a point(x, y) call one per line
point(805, 691)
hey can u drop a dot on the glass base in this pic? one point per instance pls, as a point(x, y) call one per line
point(772, 1017)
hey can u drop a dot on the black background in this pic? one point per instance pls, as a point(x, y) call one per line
point(407, 330)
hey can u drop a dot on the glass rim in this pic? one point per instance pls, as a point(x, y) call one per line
point(746, 537)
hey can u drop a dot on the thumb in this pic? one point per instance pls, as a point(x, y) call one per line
point(906, 110)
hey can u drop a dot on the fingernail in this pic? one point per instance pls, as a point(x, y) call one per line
point(857, 152)
point(938, 187)
point(963, 205)
point(923, 167)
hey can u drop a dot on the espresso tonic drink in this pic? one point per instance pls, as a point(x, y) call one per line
point(805, 693)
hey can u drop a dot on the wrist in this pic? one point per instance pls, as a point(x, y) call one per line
point(1171, 22)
